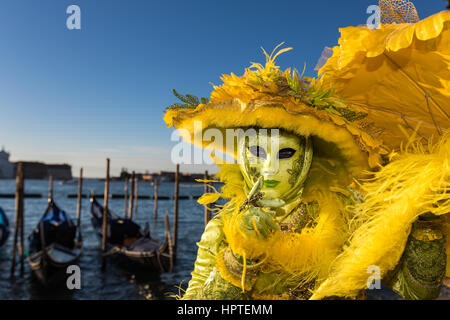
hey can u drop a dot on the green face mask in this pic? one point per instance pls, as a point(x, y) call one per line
point(281, 158)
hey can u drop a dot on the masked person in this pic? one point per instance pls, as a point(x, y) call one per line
point(296, 225)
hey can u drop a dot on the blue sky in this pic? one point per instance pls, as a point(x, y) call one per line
point(79, 96)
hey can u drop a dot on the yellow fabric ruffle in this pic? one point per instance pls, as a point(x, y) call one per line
point(398, 74)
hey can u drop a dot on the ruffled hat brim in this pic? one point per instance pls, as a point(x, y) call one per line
point(334, 138)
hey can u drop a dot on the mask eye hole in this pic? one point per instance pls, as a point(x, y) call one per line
point(257, 151)
point(286, 153)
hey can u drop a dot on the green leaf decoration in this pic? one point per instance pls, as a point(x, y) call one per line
point(351, 115)
point(181, 97)
point(296, 82)
point(292, 84)
point(193, 100)
point(190, 101)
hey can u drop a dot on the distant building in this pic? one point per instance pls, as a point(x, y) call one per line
point(162, 176)
point(147, 177)
point(33, 170)
point(169, 176)
point(39, 170)
point(6, 167)
point(165, 176)
point(60, 171)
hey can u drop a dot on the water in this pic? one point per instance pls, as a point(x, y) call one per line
point(118, 282)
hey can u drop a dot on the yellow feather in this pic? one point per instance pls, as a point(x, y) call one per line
point(415, 182)
point(208, 198)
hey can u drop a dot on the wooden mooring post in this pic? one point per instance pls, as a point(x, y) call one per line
point(79, 197)
point(136, 194)
point(131, 204)
point(169, 239)
point(125, 195)
point(155, 210)
point(105, 215)
point(206, 190)
point(19, 218)
point(50, 188)
point(175, 211)
point(21, 205)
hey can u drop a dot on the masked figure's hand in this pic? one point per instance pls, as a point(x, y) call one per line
point(256, 222)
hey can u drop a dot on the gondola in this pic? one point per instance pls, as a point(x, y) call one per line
point(4, 227)
point(127, 239)
point(55, 244)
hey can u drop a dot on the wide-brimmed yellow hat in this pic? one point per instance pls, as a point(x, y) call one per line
point(266, 97)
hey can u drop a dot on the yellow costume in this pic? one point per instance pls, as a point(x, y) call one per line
point(356, 116)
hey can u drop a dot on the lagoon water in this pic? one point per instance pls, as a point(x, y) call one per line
point(118, 281)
